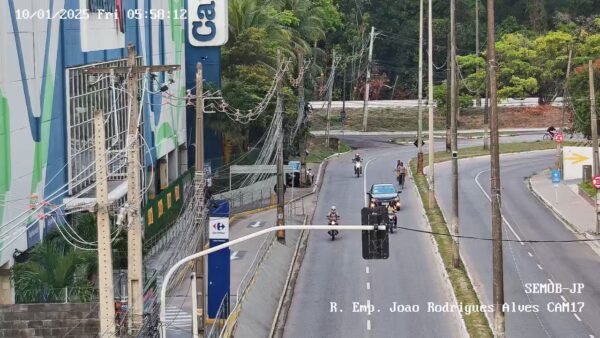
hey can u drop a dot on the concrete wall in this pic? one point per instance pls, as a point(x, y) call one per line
point(49, 320)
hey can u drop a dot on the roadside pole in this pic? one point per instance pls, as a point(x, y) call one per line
point(280, 179)
point(594, 124)
point(486, 140)
point(329, 95)
point(105, 266)
point(559, 155)
point(199, 282)
point(135, 266)
point(431, 195)
point(420, 116)
point(497, 259)
point(134, 196)
point(302, 137)
point(449, 100)
point(367, 82)
point(478, 101)
point(454, 138)
point(194, 305)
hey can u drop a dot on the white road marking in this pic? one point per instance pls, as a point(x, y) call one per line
point(256, 224)
point(367, 268)
point(550, 280)
point(591, 336)
point(563, 298)
point(368, 286)
point(368, 324)
point(234, 256)
point(576, 316)
point(365, 181)
point(540, 267)
point(488, 197)
point(529, 253)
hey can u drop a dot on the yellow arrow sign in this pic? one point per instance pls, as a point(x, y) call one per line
point(576, 158)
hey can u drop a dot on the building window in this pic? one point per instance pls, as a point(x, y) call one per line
point(87, 93)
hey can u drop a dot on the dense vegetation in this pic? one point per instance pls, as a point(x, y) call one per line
point(533, 41)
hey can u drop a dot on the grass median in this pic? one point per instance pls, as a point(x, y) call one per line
point(476, 322)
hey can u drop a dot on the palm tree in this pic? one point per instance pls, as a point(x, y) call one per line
point(52, 268)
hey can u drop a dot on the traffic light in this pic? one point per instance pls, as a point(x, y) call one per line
point(375, 243)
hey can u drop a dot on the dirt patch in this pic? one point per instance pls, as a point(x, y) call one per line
point(515, 117)
point(405, 119)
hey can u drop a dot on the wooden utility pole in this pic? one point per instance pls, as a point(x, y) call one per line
point(594, 124)
point(280, 175)
point(329, 95)
point(367, 82)
point(497, 259)
point(105, 266)
point(135, 280)
point(199, 187)
point(420, 114)
point(454, 139)
point(431, 194)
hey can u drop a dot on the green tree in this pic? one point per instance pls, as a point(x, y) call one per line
point(551, 58)
point(517, 69)
point(579, 90)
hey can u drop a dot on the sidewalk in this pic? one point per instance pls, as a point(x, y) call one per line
point(565, 201)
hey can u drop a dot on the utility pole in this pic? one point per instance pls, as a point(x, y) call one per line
point(454, 140)
point(301, 107)
point(135, 296)
point(594, 123)
point(394, 87)
point(477, 45)
point(449, 86)
point(497, 259)
point(135, 280)
point(431, 194)
point(105, 266)
point(420, 114)
point(368, 80)
point(280, 177)
point(559, 157)
point(486, 122)
point(329, 94)
point(199, 282)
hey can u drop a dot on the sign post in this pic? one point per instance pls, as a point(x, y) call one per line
point(596, 184)
point(219, 261)
point(555, 175)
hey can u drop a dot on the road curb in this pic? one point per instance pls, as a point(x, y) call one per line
point(278, 326)
point(580, 235)
point(442, 267)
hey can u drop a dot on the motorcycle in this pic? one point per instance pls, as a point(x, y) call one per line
point(392, 222)
point(357, 168)
point(332, 233)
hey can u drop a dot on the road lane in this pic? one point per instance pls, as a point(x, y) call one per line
point(525, 218)
point(334, 271)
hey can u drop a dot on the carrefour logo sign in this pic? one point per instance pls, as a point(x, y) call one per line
point(218, 228)
point(208, 24)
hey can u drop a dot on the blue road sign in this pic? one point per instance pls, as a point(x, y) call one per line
point(555, 174)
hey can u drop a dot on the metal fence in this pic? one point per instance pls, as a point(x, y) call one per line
point(58, 295)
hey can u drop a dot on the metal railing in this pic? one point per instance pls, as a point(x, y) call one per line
point(58, 295)
point(220, 318)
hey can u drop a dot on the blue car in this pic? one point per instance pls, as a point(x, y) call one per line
point(384, 195)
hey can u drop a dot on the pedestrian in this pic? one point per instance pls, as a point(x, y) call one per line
point(401, 173)
point(309, 176)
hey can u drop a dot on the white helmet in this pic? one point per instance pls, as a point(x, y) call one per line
point(333, 208)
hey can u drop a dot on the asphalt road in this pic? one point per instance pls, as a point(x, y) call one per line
point(548, 264)
point(334, 275)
